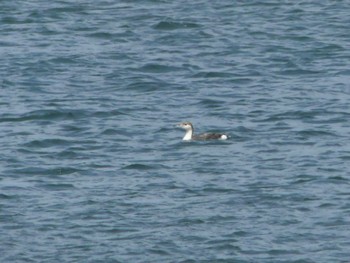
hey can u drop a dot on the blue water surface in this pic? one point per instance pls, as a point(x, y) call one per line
point(93, 169)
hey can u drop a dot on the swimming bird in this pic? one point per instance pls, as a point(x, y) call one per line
point(189, 135)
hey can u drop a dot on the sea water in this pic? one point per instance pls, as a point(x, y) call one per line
point(93, 169)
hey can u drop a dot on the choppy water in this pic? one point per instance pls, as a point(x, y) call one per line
point(93, 170)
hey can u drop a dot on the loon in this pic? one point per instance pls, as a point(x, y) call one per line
point(205, 136)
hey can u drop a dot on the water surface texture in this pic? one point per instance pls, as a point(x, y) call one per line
point(92, 168)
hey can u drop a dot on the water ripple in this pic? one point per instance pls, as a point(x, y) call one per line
point(92, 168)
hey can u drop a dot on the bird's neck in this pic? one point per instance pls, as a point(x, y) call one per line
point(188, 135)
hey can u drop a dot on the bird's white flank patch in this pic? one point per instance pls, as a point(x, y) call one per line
point(224, 137)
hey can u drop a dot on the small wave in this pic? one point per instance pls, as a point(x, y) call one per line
point(345, 157)
point(50, 115)
point(190, 221)
point(7, 44)
point(167, 25)
point(210, 103)
point(58, 187)
point(314, 133)
point(47, 115)
point(101, 35)
point(138, 166)
point(291, 115)
point(158, 68)
point(46, 143)
point(43, 171)
point(298, 72)
point(109, 132)
point(337, 177)
point(103, 114)
point(144, 86)
point(212, 74)
point(3, 196)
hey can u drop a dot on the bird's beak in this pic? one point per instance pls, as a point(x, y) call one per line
point(178, 125)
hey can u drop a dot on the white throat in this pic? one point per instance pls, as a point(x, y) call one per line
point(188, 135)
